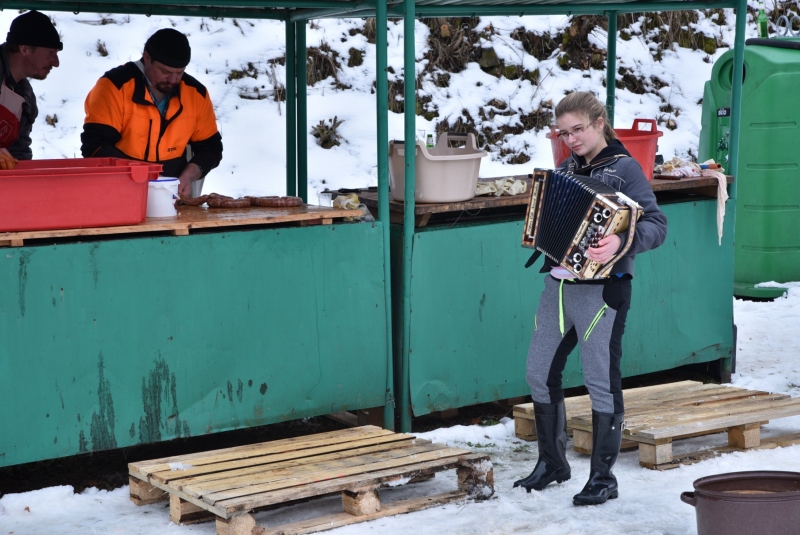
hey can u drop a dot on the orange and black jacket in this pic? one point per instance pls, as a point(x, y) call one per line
point(123, 122)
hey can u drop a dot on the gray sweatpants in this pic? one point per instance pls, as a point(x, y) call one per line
point(589, 315)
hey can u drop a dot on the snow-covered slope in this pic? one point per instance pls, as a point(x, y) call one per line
point(507, 101)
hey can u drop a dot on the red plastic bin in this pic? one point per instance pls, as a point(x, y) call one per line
point(74, 193)
point(641, 140)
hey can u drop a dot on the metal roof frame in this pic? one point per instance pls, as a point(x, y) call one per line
point(314, 9)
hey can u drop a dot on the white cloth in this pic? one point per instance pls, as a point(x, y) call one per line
point(346, 202)
point(501, 186)
point(722, 197)
point(486, 188)
point(684, 171)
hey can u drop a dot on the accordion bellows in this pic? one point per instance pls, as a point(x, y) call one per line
point(569, 213)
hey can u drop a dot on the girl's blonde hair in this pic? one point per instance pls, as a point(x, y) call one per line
point(585, 103)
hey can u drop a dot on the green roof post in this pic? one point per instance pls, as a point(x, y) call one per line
point(736, 90)
point(409, 109)
point(726, 364)
point(302, 111)
point(382, 98)
point(291, 111)
point(611, 65)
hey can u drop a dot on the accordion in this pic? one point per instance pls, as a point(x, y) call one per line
point(569, 213)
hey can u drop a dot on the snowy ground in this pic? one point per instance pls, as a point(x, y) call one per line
point(649, 502)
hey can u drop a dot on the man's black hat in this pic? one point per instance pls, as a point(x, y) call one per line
point(34, 29)
point(169, 47)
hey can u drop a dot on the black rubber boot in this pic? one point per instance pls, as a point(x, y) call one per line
point(606, 440)
point(551, 432)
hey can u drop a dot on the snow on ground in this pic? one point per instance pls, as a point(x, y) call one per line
point(649, 502)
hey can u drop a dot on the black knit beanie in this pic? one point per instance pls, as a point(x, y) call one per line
point(169, 47)
point(34, 29)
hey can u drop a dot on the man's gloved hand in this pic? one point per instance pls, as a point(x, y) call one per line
point(6, 160)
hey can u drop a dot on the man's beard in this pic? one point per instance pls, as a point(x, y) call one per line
point(165, 87)
point(40, 76)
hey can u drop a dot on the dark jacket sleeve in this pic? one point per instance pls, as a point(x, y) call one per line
point(207, 153)
point(206, 140)
point(651, 229)
point(99, 141)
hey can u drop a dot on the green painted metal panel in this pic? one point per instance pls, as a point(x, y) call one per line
point(472, 307)
point(113, 343)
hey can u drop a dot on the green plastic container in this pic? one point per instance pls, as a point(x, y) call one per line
point(767, 192)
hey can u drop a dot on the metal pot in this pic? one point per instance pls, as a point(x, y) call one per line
point(747, 503)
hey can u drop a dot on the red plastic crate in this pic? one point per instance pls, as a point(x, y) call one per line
point(74, 193)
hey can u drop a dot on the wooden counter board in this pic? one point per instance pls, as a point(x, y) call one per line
point(423, 211)
point(194, 218)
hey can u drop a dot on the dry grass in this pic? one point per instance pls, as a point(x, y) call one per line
point(672, 28)
point(369, 30)
point(576, 51)
point(278, 87)
point(249, 71)
point(539, 46)
point(322, 63)
point(452, 43)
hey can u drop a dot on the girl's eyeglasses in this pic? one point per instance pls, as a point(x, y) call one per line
point(576, 132)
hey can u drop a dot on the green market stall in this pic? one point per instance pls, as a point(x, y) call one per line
point(120, 339)
point(109, 341)
point(473, 302)
point(683, 291)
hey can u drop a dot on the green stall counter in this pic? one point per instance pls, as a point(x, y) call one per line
point(111, 341)
point(473, 302)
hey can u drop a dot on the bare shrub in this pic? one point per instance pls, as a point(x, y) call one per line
point(451, 44)
point(539, 46)
point(356, 57)
point(249, 71)
point(326, 134)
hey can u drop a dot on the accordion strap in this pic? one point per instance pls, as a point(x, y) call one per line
point(587, 169)
point(534, 257)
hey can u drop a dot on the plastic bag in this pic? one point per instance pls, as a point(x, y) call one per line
point(352, 202)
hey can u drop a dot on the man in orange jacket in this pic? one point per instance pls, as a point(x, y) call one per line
point(151, 110)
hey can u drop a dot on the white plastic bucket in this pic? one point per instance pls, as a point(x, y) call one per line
point(161, 195)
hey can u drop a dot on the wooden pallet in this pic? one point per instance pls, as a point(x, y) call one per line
point(193, 218)
point(657, 415)
point(228, 485)
point(525, 427)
